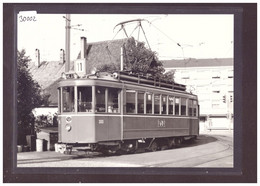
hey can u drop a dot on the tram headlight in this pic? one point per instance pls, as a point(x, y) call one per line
point(115, 75)
point(68, 127)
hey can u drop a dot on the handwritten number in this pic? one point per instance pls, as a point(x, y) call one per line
point(21, 18)
point(28, 18)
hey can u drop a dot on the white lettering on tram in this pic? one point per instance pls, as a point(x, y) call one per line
point(161, 123)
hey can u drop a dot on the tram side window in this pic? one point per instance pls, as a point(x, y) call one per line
point(85, 99)
point(140, 101)
point(112, 104)
point(170, 105)
point(177, 107)
point(68, 99)
point(100, 99)
point(190, 107)
point(164, 104)
point(130, 101)
point(149, 103)
point(195, 106)
point(183, 106)
point(156, 104)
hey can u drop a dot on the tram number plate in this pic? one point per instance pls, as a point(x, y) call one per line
point(161, 123)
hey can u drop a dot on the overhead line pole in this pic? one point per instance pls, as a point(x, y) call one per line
point(67, 43)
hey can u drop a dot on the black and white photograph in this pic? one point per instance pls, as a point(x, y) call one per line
point(128, 91)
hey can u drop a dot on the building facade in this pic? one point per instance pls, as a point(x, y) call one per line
point(212, 80)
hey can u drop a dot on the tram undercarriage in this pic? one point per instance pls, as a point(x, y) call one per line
point(129, 146)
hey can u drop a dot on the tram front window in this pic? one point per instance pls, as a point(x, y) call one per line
point(68, 99)
point(84, 99)
point(100, 99)
point(113, 101)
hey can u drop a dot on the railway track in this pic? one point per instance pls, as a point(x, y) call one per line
point(206, 151)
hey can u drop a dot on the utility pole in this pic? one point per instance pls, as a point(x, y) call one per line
point(67, 43)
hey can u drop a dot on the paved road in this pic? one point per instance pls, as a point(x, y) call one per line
point(209, 150)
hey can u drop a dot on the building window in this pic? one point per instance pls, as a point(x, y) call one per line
point(130, 101)
point(149, 103)
point(140, 101)
point(68, 99)
point(156, 104)
point(183, 106)
point(164, 104)
point(84, 99)
point(113, 101)
point(177, 106)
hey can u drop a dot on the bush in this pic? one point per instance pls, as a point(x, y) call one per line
point(48, 120)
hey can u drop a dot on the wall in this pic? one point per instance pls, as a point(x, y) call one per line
point(211, 84)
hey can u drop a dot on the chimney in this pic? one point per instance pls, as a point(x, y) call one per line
point(83, 47)
point(62, 56)
point(37, 58)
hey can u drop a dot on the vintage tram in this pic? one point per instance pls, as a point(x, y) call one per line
point(120, 112)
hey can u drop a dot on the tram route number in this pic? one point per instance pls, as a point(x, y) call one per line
point(161, 123)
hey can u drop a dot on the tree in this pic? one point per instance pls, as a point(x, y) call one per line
point(140, 60)
point(29, 96)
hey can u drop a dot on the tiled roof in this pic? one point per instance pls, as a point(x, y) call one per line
point(198, 62)
point(105, 52)
point(49, 73)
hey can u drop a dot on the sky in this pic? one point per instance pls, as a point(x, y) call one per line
point(172, 36)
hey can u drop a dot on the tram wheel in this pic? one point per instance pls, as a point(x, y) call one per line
point(154, 147)
point(171, 143)
point(178, 142)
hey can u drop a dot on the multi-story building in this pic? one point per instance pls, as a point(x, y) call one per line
point(212, 80)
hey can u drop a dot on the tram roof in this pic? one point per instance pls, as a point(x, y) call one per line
point(108, 80)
